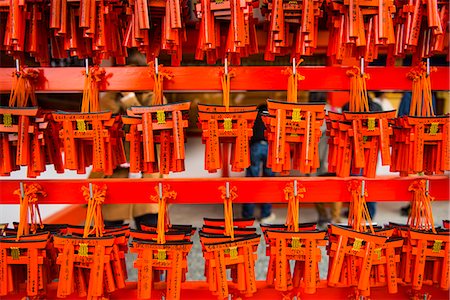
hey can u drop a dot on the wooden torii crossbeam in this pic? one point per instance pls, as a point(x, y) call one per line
point(90, 138)
point(356, 139)
point(170, 257)
point(82, 258)
point(161, 124)
point(293, 126)
point(21, 138)
point(30, 251)
point(219, 126)
point(421, 144)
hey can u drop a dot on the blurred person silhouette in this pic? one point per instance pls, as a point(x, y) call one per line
point(258, 156)
point(335, 210)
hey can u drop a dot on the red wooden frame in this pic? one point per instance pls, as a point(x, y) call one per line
point(260, 78)
point(249, 190)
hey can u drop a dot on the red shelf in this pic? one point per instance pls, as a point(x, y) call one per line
point(205, 191)
point(199, 290)
point(268, 78)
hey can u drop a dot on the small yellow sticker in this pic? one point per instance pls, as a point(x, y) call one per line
point(81, 126)
point(83, 250)
point(437, 246)
point(357, 244)
point(7, 120)
point(161, 117)
point(15, 253)
point(377, 251)
point(434, 128)
point(227, 124)
point(371, 124)
point(162, 255)
point(296, 117)
point(296, 243)
point(233, 252)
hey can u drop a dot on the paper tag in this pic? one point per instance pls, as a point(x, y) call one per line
point(434, 128)
point(296, 243)
point(377, 251)
point(296, 117)
point(162, 255)
point(233, 252)
point(161, 117)
point(15, 253)
point(371, 124)
point(227, 124)
point(81, 126)
point(7, 120)
point(83, 250)
point(437, 246)
point(357, 244)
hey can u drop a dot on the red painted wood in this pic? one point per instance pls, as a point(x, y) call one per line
point(264, 78)
point(205, 191)
point(199, 290)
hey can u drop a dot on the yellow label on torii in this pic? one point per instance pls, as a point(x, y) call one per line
point(434, 128)
point(15, 253)
point(233, 252)
point(371, 124)
point(227, 124)
point(161, 117)
point(296, 117)
point(437, 246)
point(377, 251)
point(7, 120)
point(295, 244)
point(83, 250)
point(161, 255)
point(357, 244)
point(81, 126)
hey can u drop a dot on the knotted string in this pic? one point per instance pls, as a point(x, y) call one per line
point(23, 88)
point(292, 218)
point(294, 78)
point(421, 98)
point(358, 90)
point(158, 80)
point(228, 209)
point(92, 82)
point(358, 215)
point(421, 215)
point(163, 216)
point(29, 209)
point(225, 80)
point(94, 211)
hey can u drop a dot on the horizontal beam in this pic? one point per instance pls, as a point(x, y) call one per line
point(261, 78)
point(199, 290)
point(206, 191)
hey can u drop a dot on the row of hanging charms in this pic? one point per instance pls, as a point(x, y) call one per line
point(362, 255)
point(293, 27)
point(226, 29)
point(421, 139)
point(295, 242)
point(293, 130)
point(357, 136)
point(226, 124)
point(357, 258)
point(106, 28)
point(160, 124)
point(25, 133)
point(91, 258)
point(91, 137)
point(229, 244)
point(24, 251)
point(156, 256)
point(425, 255)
